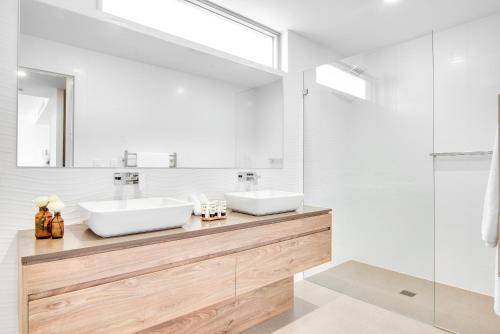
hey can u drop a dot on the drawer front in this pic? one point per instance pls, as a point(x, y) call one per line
point(259, 305)
point(233, 316)
point(137, 303)
point(52, 278)
point(261, 266)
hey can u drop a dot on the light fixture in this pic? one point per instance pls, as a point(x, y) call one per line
point(391, 1)
point(21, 73)
point(342, 81)
point(180, 90)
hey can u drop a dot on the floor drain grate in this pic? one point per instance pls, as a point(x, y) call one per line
point(408, 293)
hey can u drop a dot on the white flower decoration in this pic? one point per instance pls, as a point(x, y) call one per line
point(56, 207)
point(41, 202)
point(54, 198)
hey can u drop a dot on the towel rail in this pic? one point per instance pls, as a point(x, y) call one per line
point(130, 159)
point(457, 154)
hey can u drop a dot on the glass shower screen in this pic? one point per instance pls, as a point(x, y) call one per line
point(368, 124)
point(397, 142)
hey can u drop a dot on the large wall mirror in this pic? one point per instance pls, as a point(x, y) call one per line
point(98, 91)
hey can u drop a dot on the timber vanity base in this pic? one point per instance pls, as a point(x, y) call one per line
point(202, 278)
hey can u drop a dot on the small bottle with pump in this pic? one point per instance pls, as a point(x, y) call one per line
point(205, 211)
point(213, 209)
point(222, 209)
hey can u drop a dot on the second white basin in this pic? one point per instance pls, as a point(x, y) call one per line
point(112, 218)
point(264, 202)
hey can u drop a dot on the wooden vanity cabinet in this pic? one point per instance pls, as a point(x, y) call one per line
point(205, 280)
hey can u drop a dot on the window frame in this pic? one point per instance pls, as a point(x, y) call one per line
point(351, 71)
point(227, 14)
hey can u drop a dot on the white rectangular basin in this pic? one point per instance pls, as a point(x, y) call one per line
point(264, 202)
point(113, 218)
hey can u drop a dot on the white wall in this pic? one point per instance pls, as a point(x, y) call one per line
point(19, 186)
point(244, 109)
point(369, 160)
point(126, 105)
point(57, 136)
point(259, 141)
point(269, 138)
point(76, 5)
point(467, 83)
point(33, 137)
point(40, 131)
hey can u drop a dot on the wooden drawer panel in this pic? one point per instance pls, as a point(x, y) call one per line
point(264, 265)
point(259, 305)
point(52, 278)
point(233, 316)
point(137, 303)
point(218, 318)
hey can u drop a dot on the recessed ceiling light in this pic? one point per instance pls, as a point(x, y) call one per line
point(391, 1)
point(180, 90)
point(21, 74)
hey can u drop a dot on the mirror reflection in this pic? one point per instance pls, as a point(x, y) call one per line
point(45, 102)
point(120, 95)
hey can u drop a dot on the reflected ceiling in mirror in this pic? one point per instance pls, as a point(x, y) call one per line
point(141, 98)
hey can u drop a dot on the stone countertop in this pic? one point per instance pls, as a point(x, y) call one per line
point(79, 240)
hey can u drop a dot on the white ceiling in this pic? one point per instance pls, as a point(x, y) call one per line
point(353, 26)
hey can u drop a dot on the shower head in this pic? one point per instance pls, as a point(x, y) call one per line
point(357, 70)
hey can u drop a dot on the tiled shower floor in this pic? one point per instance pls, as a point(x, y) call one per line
point(457, 310)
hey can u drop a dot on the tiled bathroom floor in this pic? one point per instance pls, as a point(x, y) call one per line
point(456, 309)
point(323, 311)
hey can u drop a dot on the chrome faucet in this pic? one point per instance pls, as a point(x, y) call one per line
point(126, 185)
point(250, 177)
point(125, 178)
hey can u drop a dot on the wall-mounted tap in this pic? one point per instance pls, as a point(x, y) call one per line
point(126, 185)
point(125, 178)
point(249, 177)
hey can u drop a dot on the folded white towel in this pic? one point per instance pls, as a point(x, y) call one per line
point(491, 212)
point(153, 159)
point(197, 200)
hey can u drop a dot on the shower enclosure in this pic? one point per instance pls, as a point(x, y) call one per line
point(397, 142)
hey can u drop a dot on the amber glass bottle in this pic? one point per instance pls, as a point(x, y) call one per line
point(42, 223)
point(57, 226)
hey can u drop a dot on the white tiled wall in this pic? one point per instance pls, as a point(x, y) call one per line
point(369, 160)
point(467, 85)
point(19, 186)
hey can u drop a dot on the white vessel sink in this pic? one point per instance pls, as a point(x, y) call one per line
point(264, 202)
point(112, 218)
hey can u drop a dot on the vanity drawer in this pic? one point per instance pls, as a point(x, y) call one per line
point(136, 303)
point(261, 266)
point(69, 274)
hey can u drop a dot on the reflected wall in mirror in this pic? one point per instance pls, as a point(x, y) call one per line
point(45, 108)
point(143, 100)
